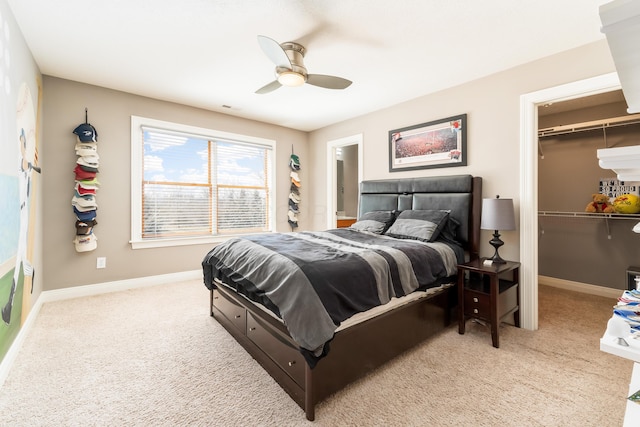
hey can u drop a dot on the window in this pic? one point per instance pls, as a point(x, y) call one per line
point(194, 185)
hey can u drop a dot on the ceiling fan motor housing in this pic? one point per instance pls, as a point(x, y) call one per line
point(295, 52)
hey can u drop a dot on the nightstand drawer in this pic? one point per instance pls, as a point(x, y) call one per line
point(477, 305)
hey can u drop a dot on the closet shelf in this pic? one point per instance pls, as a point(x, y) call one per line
point(592, 125)
point(588, 215)
point(605, 216)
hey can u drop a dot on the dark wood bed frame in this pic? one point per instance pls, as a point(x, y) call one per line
point(363, 347)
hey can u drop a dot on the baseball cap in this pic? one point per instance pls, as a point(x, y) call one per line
point(88, 168)
point(293, 219)
point(85, 208)
point(82, 190)
point(86, 133)
point(295, 179)
point(85, 227)
point(294, 162)
point(91, 161)
point(84, 203)
point(82, 174)
point(294, 197)
point(89, 182)
point(86, 149)
point(86, 243)
point(84, 216)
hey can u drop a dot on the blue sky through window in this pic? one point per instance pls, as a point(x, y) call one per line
point(173, 158)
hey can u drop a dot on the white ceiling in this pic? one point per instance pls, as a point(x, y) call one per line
point(204, 53)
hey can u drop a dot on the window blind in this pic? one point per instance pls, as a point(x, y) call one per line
point(194, 185)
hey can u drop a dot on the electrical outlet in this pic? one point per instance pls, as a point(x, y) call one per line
point(101, 262)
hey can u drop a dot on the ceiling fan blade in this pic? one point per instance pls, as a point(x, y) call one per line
point(328, 82)
point(274, 52)
point(270, 87)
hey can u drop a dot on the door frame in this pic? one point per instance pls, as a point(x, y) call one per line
point(332, 197)
point(529, 180)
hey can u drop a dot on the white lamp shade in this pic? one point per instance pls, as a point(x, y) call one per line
point(291, 78)
point(497, 214)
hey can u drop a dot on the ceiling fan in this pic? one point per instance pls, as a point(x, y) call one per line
point(290, 69)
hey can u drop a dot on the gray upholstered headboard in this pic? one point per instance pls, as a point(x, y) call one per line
point(462, 194)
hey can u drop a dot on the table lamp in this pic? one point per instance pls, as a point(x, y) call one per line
point(497, 214)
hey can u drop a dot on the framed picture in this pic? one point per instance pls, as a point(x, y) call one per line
point(437, 144)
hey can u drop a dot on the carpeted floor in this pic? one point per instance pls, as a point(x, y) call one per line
point(154, 357)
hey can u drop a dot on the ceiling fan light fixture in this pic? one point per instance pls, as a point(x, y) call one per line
point(291, 78)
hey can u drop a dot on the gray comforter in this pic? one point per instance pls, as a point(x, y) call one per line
point(315, 280)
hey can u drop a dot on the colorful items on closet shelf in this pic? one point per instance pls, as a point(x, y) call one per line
point(86, 184)
point(628, 308)
point(294, 195)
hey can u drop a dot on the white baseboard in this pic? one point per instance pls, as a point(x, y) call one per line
point(119, 285)
point(83, 291)
point(580, 287)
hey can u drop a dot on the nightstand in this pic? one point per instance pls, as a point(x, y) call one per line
point(488, 293)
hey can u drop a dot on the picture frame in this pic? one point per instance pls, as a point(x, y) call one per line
point(437, 144)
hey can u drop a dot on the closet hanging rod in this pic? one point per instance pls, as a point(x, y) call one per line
point(592, 125)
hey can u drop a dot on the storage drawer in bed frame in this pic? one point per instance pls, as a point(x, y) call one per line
point(279, 349)
point(234, 312)
point(267, 340)
point(279, 356)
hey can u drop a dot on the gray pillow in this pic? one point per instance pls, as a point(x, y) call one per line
point(375, 221)
point(449, 232)
point(424, 225)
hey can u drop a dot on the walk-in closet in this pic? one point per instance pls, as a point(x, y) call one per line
point(573, 246)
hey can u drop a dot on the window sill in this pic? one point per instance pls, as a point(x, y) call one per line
point(185, 241)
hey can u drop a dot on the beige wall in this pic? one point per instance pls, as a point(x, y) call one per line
point(491, 103)
point(493, 140)
point(110, 112)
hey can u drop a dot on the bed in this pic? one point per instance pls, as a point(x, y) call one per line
point(350, 335)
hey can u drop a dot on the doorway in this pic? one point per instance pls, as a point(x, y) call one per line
point(529, 181)
point(344, 174)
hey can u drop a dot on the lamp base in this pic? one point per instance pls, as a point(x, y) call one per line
point(496, 243)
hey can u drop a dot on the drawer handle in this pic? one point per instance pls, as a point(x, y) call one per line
point(238, 316)
point(293, 362)
point(475, 310)
point(475, 299)
point(215, 297)
point(252, 329)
